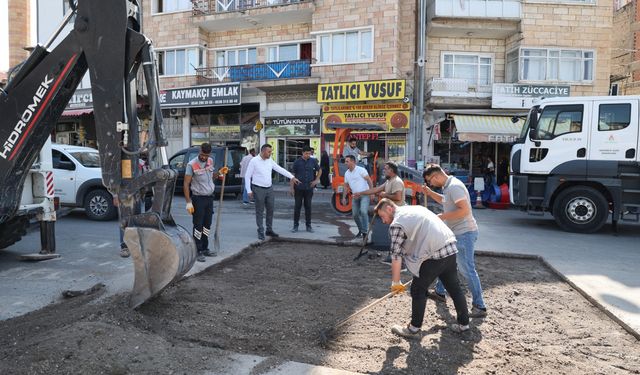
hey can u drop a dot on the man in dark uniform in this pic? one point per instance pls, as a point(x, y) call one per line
point(199, 179)
point(307, 170)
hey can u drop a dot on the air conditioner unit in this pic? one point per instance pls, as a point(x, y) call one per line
point(177, 112)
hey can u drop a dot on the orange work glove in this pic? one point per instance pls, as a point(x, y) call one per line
point(223, 170)
point(190, 208)
point(397, 288)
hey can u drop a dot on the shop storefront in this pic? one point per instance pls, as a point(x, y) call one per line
point(369, 102)
point(77, 126)
point(289, 134)
point(215, 114)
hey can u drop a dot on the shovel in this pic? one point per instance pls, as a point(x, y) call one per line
point(364, 242)
point(216, 235)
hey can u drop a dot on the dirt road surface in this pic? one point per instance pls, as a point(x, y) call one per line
point(274, 300)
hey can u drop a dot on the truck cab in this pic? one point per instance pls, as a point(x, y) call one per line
point(577, 158)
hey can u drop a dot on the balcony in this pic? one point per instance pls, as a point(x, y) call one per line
point(255, 72)
point(473, 18)
point(225, 15)
point(448, 92)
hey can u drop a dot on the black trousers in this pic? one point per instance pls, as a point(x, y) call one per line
point(446, 269)
point(202, 217)
point(300, 197)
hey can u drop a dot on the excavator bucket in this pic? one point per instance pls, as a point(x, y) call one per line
point(159, 258)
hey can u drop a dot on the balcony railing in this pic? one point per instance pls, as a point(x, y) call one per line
point(454, 87)
point(203, 7)
point(474, 9)
point(255, 72)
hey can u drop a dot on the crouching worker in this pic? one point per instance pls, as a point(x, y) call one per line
point(428, 247)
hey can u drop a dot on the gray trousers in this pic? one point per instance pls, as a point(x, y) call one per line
point(264, 197)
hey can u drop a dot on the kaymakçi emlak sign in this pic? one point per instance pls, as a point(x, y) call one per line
point(393, 89)
point(201, 96)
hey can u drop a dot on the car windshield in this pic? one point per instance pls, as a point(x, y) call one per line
point(88, 159)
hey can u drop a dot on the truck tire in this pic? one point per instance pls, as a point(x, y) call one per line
point(13, 230)
point(581, 209)
point(98, 205)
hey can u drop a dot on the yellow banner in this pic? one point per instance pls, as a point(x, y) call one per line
point(366, 107)
point(393, 120)
point(361, 91)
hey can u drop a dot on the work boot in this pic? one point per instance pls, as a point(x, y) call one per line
point(210, 253)
point(261, 236)
point(200, 257)
point(478, 312)
point(124, 252)
point(406, 332)
point(309, 229)
point(294, 229)
point(459, 328)
point(272, 234)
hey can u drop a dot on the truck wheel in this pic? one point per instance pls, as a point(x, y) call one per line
point(98, 205)
point(581, 209)
point(12, 231)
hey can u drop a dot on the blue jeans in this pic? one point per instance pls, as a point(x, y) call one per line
point(467, 267)
point(360, 212)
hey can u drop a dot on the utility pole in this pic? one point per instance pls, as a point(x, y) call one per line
point(418, 92)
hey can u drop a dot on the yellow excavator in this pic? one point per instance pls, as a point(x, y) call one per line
point(106, 41)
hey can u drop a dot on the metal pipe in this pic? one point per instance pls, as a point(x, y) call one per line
point(422, 60)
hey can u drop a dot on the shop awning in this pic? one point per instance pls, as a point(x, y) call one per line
point(486, 128)
point(77, 112)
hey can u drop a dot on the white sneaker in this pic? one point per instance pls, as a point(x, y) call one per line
point(406, 332)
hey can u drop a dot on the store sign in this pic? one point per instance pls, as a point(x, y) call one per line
point(396, 120)
point(361, 91)
point(81, 99)
point(366, 107)
point(201, 96)
point(507, 95)
point(292, 126)
point(224, 133)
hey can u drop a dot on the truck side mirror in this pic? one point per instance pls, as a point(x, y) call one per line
point(66, 165)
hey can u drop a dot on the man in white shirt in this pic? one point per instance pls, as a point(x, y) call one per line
point(244, 163)
point(357, 180)
point(257, 182)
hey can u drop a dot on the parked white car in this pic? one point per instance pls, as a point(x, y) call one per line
point(77, 179)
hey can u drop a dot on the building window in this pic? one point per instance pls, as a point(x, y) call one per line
point(180, 62)
point(539, 64)
point(284, 52)
point(167, 6)
point(476, 69)
point(614, 116)
point(353, 46)
point(236, 57)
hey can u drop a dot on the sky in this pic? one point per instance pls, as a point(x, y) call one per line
point(4, 36)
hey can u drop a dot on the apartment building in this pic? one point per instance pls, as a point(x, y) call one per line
point(489, 60)
point(625, 61)
point(279, 71)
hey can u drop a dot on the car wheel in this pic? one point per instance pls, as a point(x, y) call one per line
point(98, 205)
point(581, 209)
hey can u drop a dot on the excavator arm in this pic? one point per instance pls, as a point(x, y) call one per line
point(107, 41)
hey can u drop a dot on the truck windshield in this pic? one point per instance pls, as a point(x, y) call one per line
point(87, 159)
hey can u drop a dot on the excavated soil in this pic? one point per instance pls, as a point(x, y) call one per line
point(275, 300)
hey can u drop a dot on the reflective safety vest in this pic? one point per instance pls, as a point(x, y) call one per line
point(202, 178)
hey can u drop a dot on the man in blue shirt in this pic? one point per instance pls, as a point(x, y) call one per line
point(307, 170)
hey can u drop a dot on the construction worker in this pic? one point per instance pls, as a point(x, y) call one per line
point(258, 185)
point(199, 179)
point(392, 188)
point(357, 180)
point(307, 170)
point(459, 217)
point(428, 248)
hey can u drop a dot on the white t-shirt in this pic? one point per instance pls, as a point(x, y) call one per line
point(356, 179)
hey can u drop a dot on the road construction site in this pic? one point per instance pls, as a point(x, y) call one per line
point(262, 309)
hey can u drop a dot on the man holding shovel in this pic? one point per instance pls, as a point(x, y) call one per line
point(199, 179)
point(428, 248)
